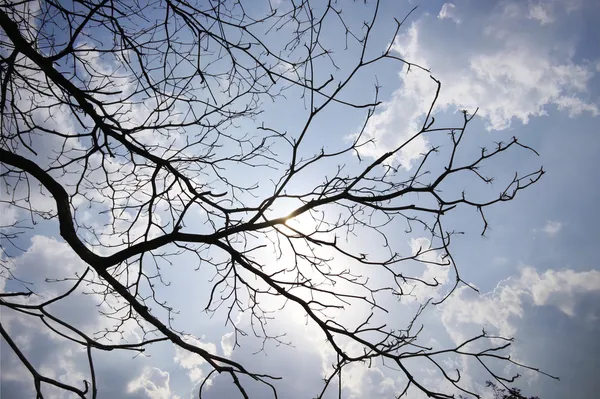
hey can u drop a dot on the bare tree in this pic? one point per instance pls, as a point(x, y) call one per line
point(507, 393)
point(154, 117)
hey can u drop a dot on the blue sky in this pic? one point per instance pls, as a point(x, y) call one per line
point(533, 69)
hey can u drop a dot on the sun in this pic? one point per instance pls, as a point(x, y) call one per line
point(303, 223)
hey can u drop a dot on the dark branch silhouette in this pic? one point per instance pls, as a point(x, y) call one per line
point(506, 393)
point(152, 116)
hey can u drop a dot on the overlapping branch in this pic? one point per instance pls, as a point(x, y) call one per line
point(147, 114)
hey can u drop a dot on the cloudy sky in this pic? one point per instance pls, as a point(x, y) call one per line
point(533, 69)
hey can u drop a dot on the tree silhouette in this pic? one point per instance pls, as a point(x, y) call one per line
point(153, 118)
point(507, 393)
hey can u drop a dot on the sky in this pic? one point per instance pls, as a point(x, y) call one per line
point(533, 70)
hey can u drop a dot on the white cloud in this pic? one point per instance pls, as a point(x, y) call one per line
point(154, 382)
point(448, 11)
point(432, 272)
point(364, 381)
point(466, 311)
point(46, 258)
point(397, 120)
point(50, 267)
point(227, 342)
point(541, 12)
point(502, 63)
point(551, 228)
point(545, 11)
point(65, 368)
point(52, 355)
point(191, 361)
point(8, 214)
point(559, 288)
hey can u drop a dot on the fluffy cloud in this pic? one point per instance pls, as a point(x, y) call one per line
point(47, 258)
point(448, 11)
point(227, 342)
point(465, 310)
point(500, 61)
point(154, 382)
point(191, 361)
point(50, 354)
point(545, 11)
point(559, 288)
point(541, 13)
point(362, 381)
point(432, 271)
point(551, 228)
